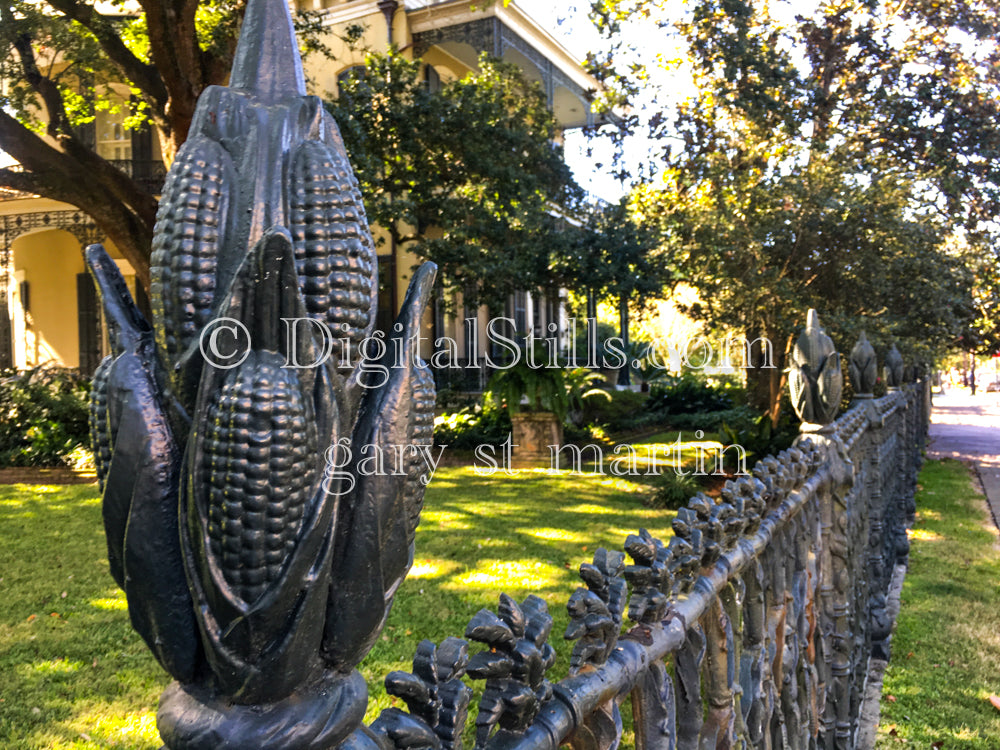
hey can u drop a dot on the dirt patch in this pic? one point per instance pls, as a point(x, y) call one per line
point(36, 475)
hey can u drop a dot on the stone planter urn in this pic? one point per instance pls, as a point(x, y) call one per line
point(534, 432)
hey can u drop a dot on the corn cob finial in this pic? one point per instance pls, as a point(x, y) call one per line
point(255, 578)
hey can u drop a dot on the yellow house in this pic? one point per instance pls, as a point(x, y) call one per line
point(50, 312)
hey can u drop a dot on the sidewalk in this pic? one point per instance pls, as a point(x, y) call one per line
point(968, 428)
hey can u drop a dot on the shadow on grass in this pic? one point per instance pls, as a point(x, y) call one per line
point(74, 674)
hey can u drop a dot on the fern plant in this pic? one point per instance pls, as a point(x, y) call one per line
point(532, 389)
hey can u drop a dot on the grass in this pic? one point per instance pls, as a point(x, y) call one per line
point(946, 652)
point(72, 672)
point(74, 675)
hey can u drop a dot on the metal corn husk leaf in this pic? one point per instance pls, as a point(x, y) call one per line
point(139, 461)
point(374, 551)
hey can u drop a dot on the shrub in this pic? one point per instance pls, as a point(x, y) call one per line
point(617, 411)
point(482, 424)
point(712, 421)
point(454, 400)
point(44, 418)
point(758, 437)
point(687, 395)
point(673, 490)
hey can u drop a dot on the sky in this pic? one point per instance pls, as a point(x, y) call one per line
point(567, 22)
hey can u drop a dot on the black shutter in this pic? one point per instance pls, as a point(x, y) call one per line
point(6, 330)
point(89, 322)
point(142, 153)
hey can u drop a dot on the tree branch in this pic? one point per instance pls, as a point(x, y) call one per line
point(23, 182)
point(141, 74)
point(27, 147)
point(122, 209)
point(45, 87)
point(174, 49)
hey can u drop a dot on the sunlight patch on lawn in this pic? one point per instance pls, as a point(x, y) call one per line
point(135, 730)
point(451, 521)
point(555, 535)
point(491, 574)
point(56, 666)
point(622, 484)
point(923, 535)
point(590, 509)
point(110, 603)
point(431, 568)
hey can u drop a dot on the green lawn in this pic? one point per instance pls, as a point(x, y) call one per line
point(73, 675)
point(946, 651)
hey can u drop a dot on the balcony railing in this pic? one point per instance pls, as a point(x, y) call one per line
point(421, 4)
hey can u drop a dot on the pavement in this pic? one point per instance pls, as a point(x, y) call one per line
point(967, 428)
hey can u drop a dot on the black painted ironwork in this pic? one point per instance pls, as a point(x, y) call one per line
point(769, 601)
point(258, 562)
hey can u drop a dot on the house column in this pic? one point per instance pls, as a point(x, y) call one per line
point(6, 333)
point(388, 8)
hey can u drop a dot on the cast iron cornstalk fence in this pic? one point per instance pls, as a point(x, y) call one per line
point(260, 568)
point(753, 627)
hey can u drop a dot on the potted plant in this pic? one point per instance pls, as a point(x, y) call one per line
point(537, 401)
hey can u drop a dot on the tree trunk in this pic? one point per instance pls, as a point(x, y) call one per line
point(765, 385)
point(624, 373)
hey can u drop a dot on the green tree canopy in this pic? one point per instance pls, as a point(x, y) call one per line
point(832, 160)
point(57, 61)
point(469, 175)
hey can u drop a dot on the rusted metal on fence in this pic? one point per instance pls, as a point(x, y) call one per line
point(753, 627)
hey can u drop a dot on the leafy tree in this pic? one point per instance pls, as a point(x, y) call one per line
point(615, 257)
point(981, 337)
point(58, 60)
point(468, 176)
point(828, 161)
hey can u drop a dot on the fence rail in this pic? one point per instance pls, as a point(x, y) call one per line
point(753, 627)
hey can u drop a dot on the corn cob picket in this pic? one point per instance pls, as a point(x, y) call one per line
point(189, 231)
point(334, 253)
point(261, 437)
point(417, 471)
point(258, 587)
